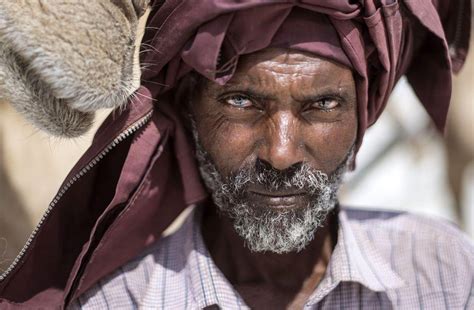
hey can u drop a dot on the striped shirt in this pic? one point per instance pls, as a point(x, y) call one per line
point(382, 260)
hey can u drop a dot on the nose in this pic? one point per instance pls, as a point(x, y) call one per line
point(283, 146)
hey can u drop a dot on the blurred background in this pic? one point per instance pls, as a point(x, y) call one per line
point(404, 164)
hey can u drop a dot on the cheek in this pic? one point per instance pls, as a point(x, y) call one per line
point(230, 145)
point(329, 143)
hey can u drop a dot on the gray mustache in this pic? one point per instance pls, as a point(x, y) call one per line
point(300, 176)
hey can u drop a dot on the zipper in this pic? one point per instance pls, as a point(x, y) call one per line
point(122, 136)
point(458, 30)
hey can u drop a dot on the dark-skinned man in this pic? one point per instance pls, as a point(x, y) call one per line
point(260, 109)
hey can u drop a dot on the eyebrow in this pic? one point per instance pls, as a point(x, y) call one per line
point(326, 92)
point(340, 91)
point(251, 91)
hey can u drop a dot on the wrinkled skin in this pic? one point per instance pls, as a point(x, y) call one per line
point(60, 61)
point(282, 108)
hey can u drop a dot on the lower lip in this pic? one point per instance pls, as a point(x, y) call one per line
point(278, 202)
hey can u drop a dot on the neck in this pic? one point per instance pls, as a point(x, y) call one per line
point(279, 271)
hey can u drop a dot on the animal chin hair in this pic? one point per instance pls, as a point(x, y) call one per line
point(32, 98)
point(57, 78)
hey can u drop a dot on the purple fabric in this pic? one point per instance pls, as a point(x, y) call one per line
point(125, 201)
point(374, 38)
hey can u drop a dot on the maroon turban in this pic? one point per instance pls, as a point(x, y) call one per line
point(130, 189)
point(380, 40)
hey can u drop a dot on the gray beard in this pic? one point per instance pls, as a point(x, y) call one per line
point(264, 228)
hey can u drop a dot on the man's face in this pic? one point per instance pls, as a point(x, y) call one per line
point(273, 143)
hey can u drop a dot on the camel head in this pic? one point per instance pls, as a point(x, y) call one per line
point(61, 60)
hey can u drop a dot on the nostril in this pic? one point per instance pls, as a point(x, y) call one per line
point(264, 167)
point(140, 6)
point(132, 9)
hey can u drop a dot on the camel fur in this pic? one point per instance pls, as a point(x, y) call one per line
point(62, 60)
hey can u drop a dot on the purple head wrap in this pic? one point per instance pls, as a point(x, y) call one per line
point(380, 40)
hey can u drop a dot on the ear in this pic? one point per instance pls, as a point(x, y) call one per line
point(59, 65)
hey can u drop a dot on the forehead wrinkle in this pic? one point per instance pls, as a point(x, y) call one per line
point(298, 73)
point(278, 68)
point(322, 72)
point(243, 82)
point(252, 80)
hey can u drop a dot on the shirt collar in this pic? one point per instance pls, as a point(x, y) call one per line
point(354, 259)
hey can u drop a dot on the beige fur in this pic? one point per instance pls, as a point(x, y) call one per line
point(61, 60)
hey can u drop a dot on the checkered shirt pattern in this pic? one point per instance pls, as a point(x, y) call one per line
point(382, 260)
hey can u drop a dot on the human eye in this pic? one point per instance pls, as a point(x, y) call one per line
point(326, 108)
point(326, 104)
point(238, 101)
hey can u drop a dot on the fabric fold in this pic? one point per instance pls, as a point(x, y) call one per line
point(379, 40)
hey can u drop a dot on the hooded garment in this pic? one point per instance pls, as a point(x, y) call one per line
point(140, 172)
